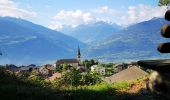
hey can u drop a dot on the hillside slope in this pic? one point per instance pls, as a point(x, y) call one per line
point(136, 42)
point(23, 42)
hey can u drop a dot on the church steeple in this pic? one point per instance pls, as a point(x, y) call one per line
point(78, 56)
point(78, 53)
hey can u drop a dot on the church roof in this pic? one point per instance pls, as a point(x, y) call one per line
point(67, 61)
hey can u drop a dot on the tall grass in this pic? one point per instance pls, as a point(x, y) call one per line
point(12, 88)
point(121, 85)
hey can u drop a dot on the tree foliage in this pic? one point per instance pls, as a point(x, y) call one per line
point(71, 77)
point(59, 68)
point(89, 63)
point(109, 65)
point(90, 78)
point(65, 67)
point(163, 2)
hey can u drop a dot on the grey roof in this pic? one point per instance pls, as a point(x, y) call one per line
point(67, 61)
point(129, 74)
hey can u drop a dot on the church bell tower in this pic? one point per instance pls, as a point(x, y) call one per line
point(78, 55)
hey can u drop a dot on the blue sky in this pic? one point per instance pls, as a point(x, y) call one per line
point(56, 13)
point(83, 4)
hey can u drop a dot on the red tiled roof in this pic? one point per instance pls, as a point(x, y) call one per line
point(54, 76)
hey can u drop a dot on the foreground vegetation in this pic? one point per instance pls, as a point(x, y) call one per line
point(15, 88)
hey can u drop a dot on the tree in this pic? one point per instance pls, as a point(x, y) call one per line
point(72, 77)
point(163, 2)
point(101, 65)
point(91, 78)
point(109, 65)
point(59, 68)
point(92, 62)
point(86, 63)
point(65, 67)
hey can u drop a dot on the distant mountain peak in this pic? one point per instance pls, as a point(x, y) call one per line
point(92, 32)
point(155, 18)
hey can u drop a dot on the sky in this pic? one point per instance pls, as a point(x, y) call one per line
point(57, 13)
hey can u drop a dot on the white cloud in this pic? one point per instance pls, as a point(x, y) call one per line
point(73, 18)
point(103, 9)
point(136, 14)
point(107, 11)
point(131, 15)
point(9, 8)
point(107, 14)
point(56, 25)
point(77, 17)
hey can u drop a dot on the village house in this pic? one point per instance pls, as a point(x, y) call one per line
point(118, 68)
point(98, 69)
point(32, 65)
point(54, 65)
point(43, 71)
point(28, 68)
point(24, 68)
point(129, 74)
point(54, 76)
point(82, 69)
point(47, 70)
point(12, 68)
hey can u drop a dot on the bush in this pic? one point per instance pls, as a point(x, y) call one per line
point(71, 77)
point(91, 78)
point(121, 85)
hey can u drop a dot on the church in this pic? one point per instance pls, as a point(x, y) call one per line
point(71, 62)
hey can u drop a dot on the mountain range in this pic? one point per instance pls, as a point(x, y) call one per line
point(92, 32)
point(23, 42)
point(136, 42)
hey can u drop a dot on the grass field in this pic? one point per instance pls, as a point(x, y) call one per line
point(12, 88)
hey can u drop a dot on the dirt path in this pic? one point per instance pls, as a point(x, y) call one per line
point(137, 87)
point(137, 91)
